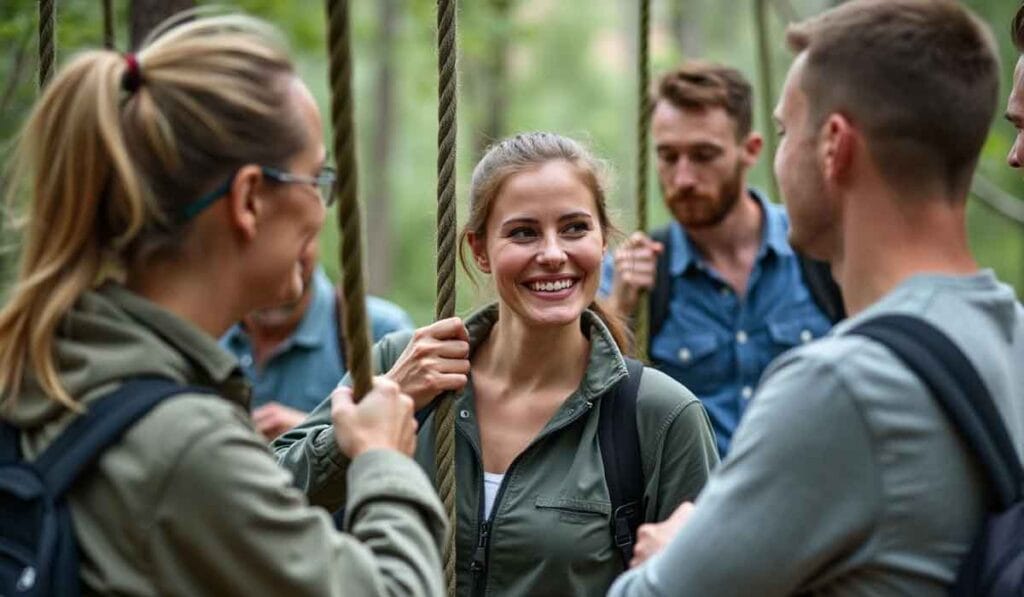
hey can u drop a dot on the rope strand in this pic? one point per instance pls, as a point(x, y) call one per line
point(47, 41)
point(355, 329)
point(446, 223)
point(641, 322)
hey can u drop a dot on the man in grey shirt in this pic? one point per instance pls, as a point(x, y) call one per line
point(845, 477)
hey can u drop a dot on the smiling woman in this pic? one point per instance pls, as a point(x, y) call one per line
point(532, 374)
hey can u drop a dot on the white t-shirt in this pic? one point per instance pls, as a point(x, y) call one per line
point(492, 481)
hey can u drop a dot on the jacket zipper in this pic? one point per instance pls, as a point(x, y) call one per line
point(482, 553)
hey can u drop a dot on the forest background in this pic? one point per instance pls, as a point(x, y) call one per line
point(561, 65)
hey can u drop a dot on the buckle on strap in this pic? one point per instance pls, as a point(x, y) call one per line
point(624, 520)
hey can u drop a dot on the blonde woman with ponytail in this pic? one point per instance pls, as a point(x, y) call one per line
point(167, 194)
point(532, 373)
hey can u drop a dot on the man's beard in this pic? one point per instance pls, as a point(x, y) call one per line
point(712, 210)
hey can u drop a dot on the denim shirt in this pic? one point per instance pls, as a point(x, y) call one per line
point(304, 369)
point(716, 343)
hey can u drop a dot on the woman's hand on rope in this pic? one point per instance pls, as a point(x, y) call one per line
point(636, 265)
point(435, 361)
point(382, 420)
point(652, 538)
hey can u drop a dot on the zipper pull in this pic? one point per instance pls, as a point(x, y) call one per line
point(480, 554)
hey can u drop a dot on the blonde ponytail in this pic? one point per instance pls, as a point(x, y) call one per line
point(106, 171)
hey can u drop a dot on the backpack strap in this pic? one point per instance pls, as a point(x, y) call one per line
point(620, 453)
point(102, 425)
point(827, 296)
point(659, 295)
point(958, 389)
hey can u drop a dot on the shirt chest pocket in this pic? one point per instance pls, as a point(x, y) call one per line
point(789, 332)
point(572, 533)
point(574, 511)
point(696, 359)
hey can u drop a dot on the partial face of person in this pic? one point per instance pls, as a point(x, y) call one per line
point(293, 212)
point(701, 164)
point(290, 314)
point(1015, 114)
point(798, 170)
point(543, 246)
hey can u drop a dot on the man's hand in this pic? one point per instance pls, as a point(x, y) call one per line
point(273, 419)
point(383, 419)
point(435, 361)
point(652, 538)
point(636, 264)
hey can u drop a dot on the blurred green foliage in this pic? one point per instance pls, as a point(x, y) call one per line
point(570, 69)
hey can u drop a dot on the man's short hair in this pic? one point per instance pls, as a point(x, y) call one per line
point(1017, 29)
point(699, 85)
point(919, 77)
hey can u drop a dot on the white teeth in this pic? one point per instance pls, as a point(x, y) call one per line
point(551, 286)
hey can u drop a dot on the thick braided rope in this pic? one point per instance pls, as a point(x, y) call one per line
point(108, 24)
point(444, 454)
point(47, 42)
point(641, 323)
point(357, 340)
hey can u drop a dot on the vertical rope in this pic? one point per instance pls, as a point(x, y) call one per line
point(767, 93)
point(357, 339)
point(47, 41)
point(643, 118)
point(444, 455)
point(108, 24)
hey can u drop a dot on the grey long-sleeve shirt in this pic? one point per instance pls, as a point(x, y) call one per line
point(845, 477)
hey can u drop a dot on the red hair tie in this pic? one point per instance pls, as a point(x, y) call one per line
point(132, 79)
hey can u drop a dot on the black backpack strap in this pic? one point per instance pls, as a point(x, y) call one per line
point(960, 392)
point(100, 426)
point(10, 450)
point(823, 288)
point(660, 294)
point(620, 453)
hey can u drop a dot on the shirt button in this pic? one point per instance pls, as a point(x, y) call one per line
point(806, 336)
point(684, 355)
point(246, 360)
point(725, 291)
point(463, 414)
point(741, 337)
point(747, 392)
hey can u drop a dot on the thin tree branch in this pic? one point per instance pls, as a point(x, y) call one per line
point(997, 199)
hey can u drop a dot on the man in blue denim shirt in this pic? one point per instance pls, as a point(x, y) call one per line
point(737, 297)
point(292, 355)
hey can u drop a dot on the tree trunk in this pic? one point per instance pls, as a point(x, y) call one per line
point(493, 76)
point(145, 15)
point(684, 19)
point(378, 189)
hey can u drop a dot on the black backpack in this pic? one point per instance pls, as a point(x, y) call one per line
point(994, 567)
point(619, 441)
point(817, 277)
point(38, 551)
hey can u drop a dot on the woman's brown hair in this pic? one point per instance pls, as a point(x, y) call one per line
point(529, 151)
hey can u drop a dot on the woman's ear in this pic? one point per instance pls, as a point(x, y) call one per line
point(478, 245)
point(241, 201)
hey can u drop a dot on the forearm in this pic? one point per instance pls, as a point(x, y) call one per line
point(311, 454)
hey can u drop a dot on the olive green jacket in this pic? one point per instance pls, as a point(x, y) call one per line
point(550, 527)
point(191, 502)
